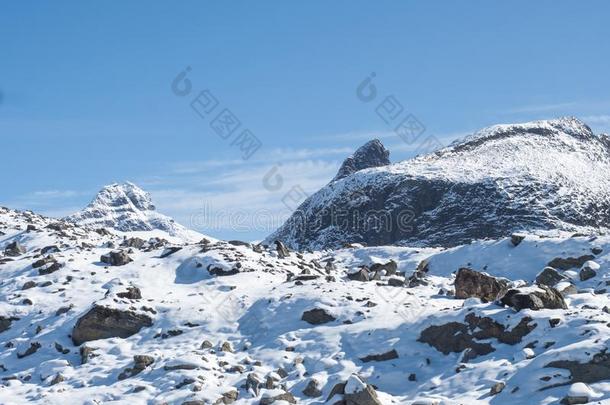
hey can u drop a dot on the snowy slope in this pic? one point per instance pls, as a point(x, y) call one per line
point(257, 305)
point(126, 207)
point(542, 175)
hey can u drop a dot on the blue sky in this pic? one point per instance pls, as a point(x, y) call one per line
point(86, 95)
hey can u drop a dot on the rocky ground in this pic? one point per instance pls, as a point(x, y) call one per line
point(92, 316)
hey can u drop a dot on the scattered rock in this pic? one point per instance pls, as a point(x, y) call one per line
point(14, 249)
point(570, 262)
point(549, 277)
point(102, 322)
point(470, 283)
point(389, 267)
point(317, 316)
point(228, 397)
point(57, 379)
point(361, 275)
point(116, 258)
point(312, 390)
point(586, 273)
point(226, 347)
point(170, 250)
point(357, 392)
point(34, 346)
point(516, 239)
point(597, 369)
point(286, 397)
point(497, 388)
point(534, 297)
point(140, 361)
point(28, 284)
point(132, 293)
point(457, 337)
point(390, 355)
point(282, 250)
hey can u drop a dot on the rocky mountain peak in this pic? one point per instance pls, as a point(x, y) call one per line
point(124, 195)
point(126, 207)
point(371, 154)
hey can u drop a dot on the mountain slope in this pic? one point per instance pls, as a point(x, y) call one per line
point(541, 175)
point(225, 323)
point(126, 207)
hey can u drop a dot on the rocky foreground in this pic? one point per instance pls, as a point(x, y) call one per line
point(97, 316)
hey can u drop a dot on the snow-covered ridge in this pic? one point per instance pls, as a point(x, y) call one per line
point(540, 175)
point(126, 207)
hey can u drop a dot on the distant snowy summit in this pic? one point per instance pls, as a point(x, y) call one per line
point(127, 208)
point(541, 175)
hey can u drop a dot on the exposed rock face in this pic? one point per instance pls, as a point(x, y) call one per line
point(103, 322)
point(116, 258)
point(317, 316)
point(457, 337)
point(469, 190)
point(535, 297)
point(371, 154)
point(470, 283)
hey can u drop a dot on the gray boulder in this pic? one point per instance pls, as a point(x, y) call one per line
point(371, 154)
point(116, 258)
point(535, 298)
point(103, 322)
point(549, 277)
point(317, 316)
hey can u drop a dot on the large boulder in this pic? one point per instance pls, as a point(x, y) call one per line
point(550, 277)
point(102, 322)
point(317, 316)
point(116, 258)
point(358, 392)
point(371, 154)
point(471, 283)
point(534, 297)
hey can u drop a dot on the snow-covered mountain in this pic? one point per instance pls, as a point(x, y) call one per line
point(127, 208)
point(542, 175)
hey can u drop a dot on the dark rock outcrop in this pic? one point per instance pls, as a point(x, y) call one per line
point(597, 369)
point(317, 316)
point(457, 337)
point(570, 262)
point(102, 322)
point(371, 154)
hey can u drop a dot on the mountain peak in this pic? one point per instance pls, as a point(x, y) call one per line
point(571, 126)
point(126, 207)
point(371, 154)
point(125, 194)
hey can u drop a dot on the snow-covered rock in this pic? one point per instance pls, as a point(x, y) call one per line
point(126, 207)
